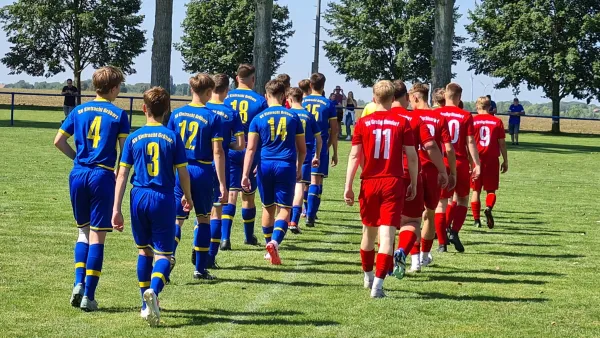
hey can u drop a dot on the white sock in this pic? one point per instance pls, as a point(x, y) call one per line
point(370, 275)
point(415, 260)
point(424, 255)
point(378, 283)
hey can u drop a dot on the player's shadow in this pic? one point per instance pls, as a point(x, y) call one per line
point(499, 232)
point(448, 270)
point(264, 281)
point(444, 296)
point(323, 231)
point(557, 148)
point(530, 255)
point(119, 309)
point(295, 269)
point(512, 244)
point(324, 241)
point(31, 124)
point(483, 280)
point(540, 229)
point(309, 262)
point(291, 247)
point(519, 212)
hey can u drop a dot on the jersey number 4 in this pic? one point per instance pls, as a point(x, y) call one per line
point(281, 128)
point(386, 135)
point(94, 132)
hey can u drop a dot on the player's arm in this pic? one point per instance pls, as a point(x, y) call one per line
point(186, 186)
point(413, 170)
point(219, 156)
point(435, 155)
point(117, 219)
point(316, 158)
point(253, 139)
point(354, 159)
point(64, 91)
point(60, 142)
point(502, 144)
point(474, 156)
point(300, 154)
point(239, 142)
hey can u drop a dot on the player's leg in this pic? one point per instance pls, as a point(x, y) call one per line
point(215, 235)
point(440, 224)
point(476, 186)
point(305, 204)
point(450, 209)
point(297, 208)
point(314, 198)
point(181, 215)
point(285, 175)
point(227, 220)
point(385, 259)
point(203, 201)
point(367, 253)
point(412, 213)
point(249, 214)
point(142, 236)
point(511, 131)
point(80, 201)
point(491, 183)
point(517, 129)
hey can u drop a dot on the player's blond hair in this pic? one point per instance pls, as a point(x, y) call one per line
point(453, 91)
point(157, 101)
point(201, 82)
point(483, 103)
point(294, 94)
point(107, 78)
point(439, 97)
point(383, 91)
point(420, 89)
point(304, 85)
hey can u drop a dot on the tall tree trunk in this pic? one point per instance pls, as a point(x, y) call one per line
point(77, 51)
point(262, 43)
point(556, 115)
point(161, 46)
point(442, 43)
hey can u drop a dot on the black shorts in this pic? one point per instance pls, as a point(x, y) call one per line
point(340, 114)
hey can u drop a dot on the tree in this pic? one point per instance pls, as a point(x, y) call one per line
point(372, 40)
point(442, 43)
point(553, 45)
point(46, 35)
point(262, 43)
point(218, 35)
point(161, 44)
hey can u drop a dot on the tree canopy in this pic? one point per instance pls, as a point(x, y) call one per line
point(371, 40)
point(47, 35)
point(218, 35)
point(552, 45)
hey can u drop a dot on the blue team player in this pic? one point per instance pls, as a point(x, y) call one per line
point(97, 127)
point(324, 112)
point(202, 135)
point(154, 152)
point(314, 144)
point(233, 138)
point(278, 133)
point(247, 103)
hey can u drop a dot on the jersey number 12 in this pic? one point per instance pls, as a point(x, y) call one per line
point(386, 135)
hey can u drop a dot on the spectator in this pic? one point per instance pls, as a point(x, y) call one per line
point(339, 98)
point(70, 92)
point(493, 108)
point(349, 115)
point(514, 121)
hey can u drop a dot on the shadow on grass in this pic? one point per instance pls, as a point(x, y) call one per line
point(324, 262)
point(485, 280)
point(199, 320)
point(500, 232)
point(294, 269)
point(556, 148)
point(528, 255)
point(118, 309)
point(290, 247)
point(264, 281)
point(438, 295)
point(520, 212)
point(31, 124)
point(502, 272)
point(540, 229)
point(512, 244)
point(314, 240)
point(219, 312)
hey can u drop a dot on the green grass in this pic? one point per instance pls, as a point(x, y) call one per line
point(535, 275)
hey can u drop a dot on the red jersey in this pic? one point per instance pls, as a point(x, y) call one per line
point(421, 134)
point(438, 128)
point(488, 130)
point(460, 125)
point(383, 136)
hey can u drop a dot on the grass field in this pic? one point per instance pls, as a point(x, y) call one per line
point(535, 275)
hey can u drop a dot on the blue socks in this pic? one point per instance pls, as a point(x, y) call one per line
point(201, 245)
point(81, 254)
point(159, 275)
point(296, 211)
point(215, 240)
point(268, 233)
point(319, 200)
point(94, 269)
point(281, 227)
point(249, 215)
point(177, 237)
point(305, 201)
point(314, 199)
point(144, 273)
point(227, 221)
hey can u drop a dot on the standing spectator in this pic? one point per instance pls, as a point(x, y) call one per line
point(349, 115)
point(339, 97)
point(493, 107)
point(70, 92)
point(514, 122)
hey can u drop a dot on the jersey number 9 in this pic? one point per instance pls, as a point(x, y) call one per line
point(484, 136)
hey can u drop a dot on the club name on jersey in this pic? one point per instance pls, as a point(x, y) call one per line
point(429, 119)
point(277, 112)
point(456, 115)
point(106, 111)
point(321, 101)
point(382, 123)
point(409, 118)
point(484, 122)
point(152, 135)
point(220, 113)
point(242, 96)
point(192, 115)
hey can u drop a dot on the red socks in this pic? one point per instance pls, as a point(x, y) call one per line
point(426, 245)
point(490, 200)
point(476, 210)
point(368, 260)
point(460, 214)
point(450, 214)
point(406, 241)
point(416, 249)
point(440, 228)
point(384, 262)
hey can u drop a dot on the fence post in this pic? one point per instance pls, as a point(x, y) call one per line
point(130, 111)
point(12, 109)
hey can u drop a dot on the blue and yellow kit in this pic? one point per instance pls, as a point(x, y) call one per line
point(311, 130)
point(323, 110)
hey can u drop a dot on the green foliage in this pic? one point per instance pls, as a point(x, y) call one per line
point(218, 35)
point(553, 45)
point(182, 89)
point(372, 40)
point(46, 35)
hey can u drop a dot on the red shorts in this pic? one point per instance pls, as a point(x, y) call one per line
point(414, 208)
point(431, 189)
point(489, 179)
point(381, 201)
point(463, 179)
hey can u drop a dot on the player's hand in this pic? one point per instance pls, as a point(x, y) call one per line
point(476, 172)
point(334, 160)
point(187, 205)
point(246, 183)
point(298, 174)
point(451, 182)
point(224, 194)
point(255, 170)
point(316, 162)
point(117, 221)
point(349, 196)
point(443, 179)
point(411, 192)
point(504, 167)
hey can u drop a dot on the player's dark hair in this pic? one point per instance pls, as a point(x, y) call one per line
point(317, 82)
point(489, 96)
point(221, 83)
point(286, 79)
point(157, 101)
point(295, 94)
point(438, 97)
point(69, 80)
point(107, 78)
point(245, 71)
point(461, 105)
point(201, 82)
point(400, 90)
point(304, 85)
point(275, 88)
point(421, 89)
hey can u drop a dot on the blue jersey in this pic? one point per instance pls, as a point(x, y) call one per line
point(154, 152)
point(247, 103)
point(277, 128)
point(309, 125)
point(198, 128)
point(96, 126)
point(323, 110)
point(515, 109)
point(230, 122)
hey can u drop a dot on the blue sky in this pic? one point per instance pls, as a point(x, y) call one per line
point(297, 62)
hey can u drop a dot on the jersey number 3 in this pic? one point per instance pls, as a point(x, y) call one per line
point(386, 135)
point(152, 151)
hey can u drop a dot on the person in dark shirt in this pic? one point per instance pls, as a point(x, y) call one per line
point(70, 92)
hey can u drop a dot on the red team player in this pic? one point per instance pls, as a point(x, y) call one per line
point(460, 125)
point(489, 136)
point(379, 140)
point(412, 213)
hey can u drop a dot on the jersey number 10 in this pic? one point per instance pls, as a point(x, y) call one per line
point(386, 135)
